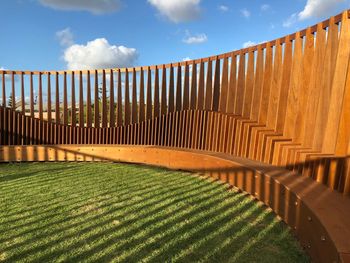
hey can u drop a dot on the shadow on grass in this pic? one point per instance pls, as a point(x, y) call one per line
point(139, 216)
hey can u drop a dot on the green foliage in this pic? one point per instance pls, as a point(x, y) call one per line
point(101, 212)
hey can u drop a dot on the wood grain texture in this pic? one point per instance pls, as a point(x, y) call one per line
point(338, 86)
point(258, 81)
point(249, 85)
point(315, 83)
point(276, 82)
point(224, 87)
point(264, 105)
point(294, 89)
point(232, 89)
point(240, 84)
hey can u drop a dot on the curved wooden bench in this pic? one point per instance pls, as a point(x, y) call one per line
point(319, 217)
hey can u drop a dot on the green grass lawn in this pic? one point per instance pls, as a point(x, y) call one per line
point(102, 212)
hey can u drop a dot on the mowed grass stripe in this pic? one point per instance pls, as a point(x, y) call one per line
point(95, 222)
point(129, 213)
point(52, 224)
point(63, 202)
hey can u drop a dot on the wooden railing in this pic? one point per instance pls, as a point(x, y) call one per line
point(284, 102)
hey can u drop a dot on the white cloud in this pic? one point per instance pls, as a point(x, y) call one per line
point(265, 7)
point(248, 44)
point(313, 8)
point(223, 8)
point(290, 20)
point(186, 59)
point(178, 11)
point(245, 12)
point(92, 6)
point(65, 36)
point(195, 39)
point(318, 8)
point(98, 54)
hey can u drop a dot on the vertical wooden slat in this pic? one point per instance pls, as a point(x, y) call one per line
point(111, 99)
point(119, 101)
point(49, 97)
point(142, 96)
point(216, 88)
point(224, 87)
point(88, 100)
point(149, 95)
point(293, 96)
point(209, 87)
point(96, 103)
point(285, 83)
point(266, 84)
point(326, 84)
point(126, 99)
point(200, 100)
point(186, 95)
point(314, 89)
point(163, 95)
point(249, 85)
point(343, 134)
point(31, 95)
point(134, 99)
point(171, 90)
point(13, 93)
point(338, 86)
point(156, 93)
point(178, 98)
point(240, 85)
point(304, 86)
point(275, 87)
point(81, 100)
point(73, 120)
point(40, 93)
point(193, 99)
point(3, 89)
point(257, 84)
point(57, 99)
point(232, 89)
point(104, 100)
point(23, 103)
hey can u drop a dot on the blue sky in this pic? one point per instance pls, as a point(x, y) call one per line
point(54, 34)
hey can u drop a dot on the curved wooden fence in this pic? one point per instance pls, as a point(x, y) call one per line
point(284, 103)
